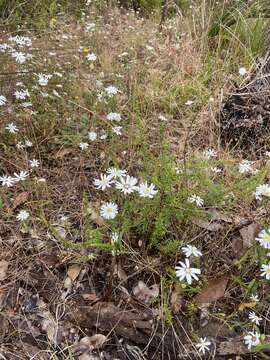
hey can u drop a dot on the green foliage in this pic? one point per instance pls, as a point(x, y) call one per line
point(37, 13)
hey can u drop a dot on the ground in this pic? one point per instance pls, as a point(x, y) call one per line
point(116, 90)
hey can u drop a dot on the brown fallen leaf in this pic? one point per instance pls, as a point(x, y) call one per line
point(176, 298)
point(249, 233)
point(217, 215)
point(237, 247)
point(95, 216)
point(94, 342)
point(74, 271)
point(61, 153)
point(144, 293)
point(19, 200)
point(249, 305)
point(119, 272)
point(3, 269)
point(212, 291)
point(90, 296)
point(208, 225)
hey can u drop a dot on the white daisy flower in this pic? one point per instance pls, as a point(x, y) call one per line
point(91, 57)
point(104, 182)
point(127, 184)
point(3, 100)
point(21, 176)
point(115, 237)
point(19, 57)
point(90, 26)
point(162, 118)
point(116, 173)
point(265, 271)
point(242, 71)
point(254, 318)
point(252, 339)
point(21, 94)
point(195, 199)
point(20, 145)
point(210, 153)
point(34, 163)
point(114, 116)
point(28, 143)
point(83, 145)
point(7, 181)
point(245, 166)
point(111, 90)
point(262, 190)
point(23, 215)
point(92, 135)
point(264, 238)
point(12, 128)
point(254, 298)
point(146, 190)
point(109, 210)
point(216, 169)
point(203, 345)
point(43, 79)
point(190, 250)
point(117, 130)
point(186, 272)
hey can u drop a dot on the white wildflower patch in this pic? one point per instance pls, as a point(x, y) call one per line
point(3, 100)
point(111, 90)
point(190, 250)
point(109, 210)
point(114, 116)
point(91, 57)
point(252, 339)
point(147, 191)
point(185, 272)
point(127, 184)
point(12, 128)
point(264, 238)
point(23, 215)
point(203, 345)
point(103, 183)
point(245, 167)
point(262, 190)
point(197, 200)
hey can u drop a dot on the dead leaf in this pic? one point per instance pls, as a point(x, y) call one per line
point(249, 234)
point(88, 343)
point(237, 247)
point(177, 298)
point(50, 326)
point(61, 153)
point(67, 288)
point(74, 271)
point(3, 269)
point(119, 272)
point(20, 199)
point(94, 342)
point(212, 291)
point(219, 216)
point(208, 225)
point(144, 293)
point(95, 216)
point(90, 296)
point(89, 357)
point(249, 305)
